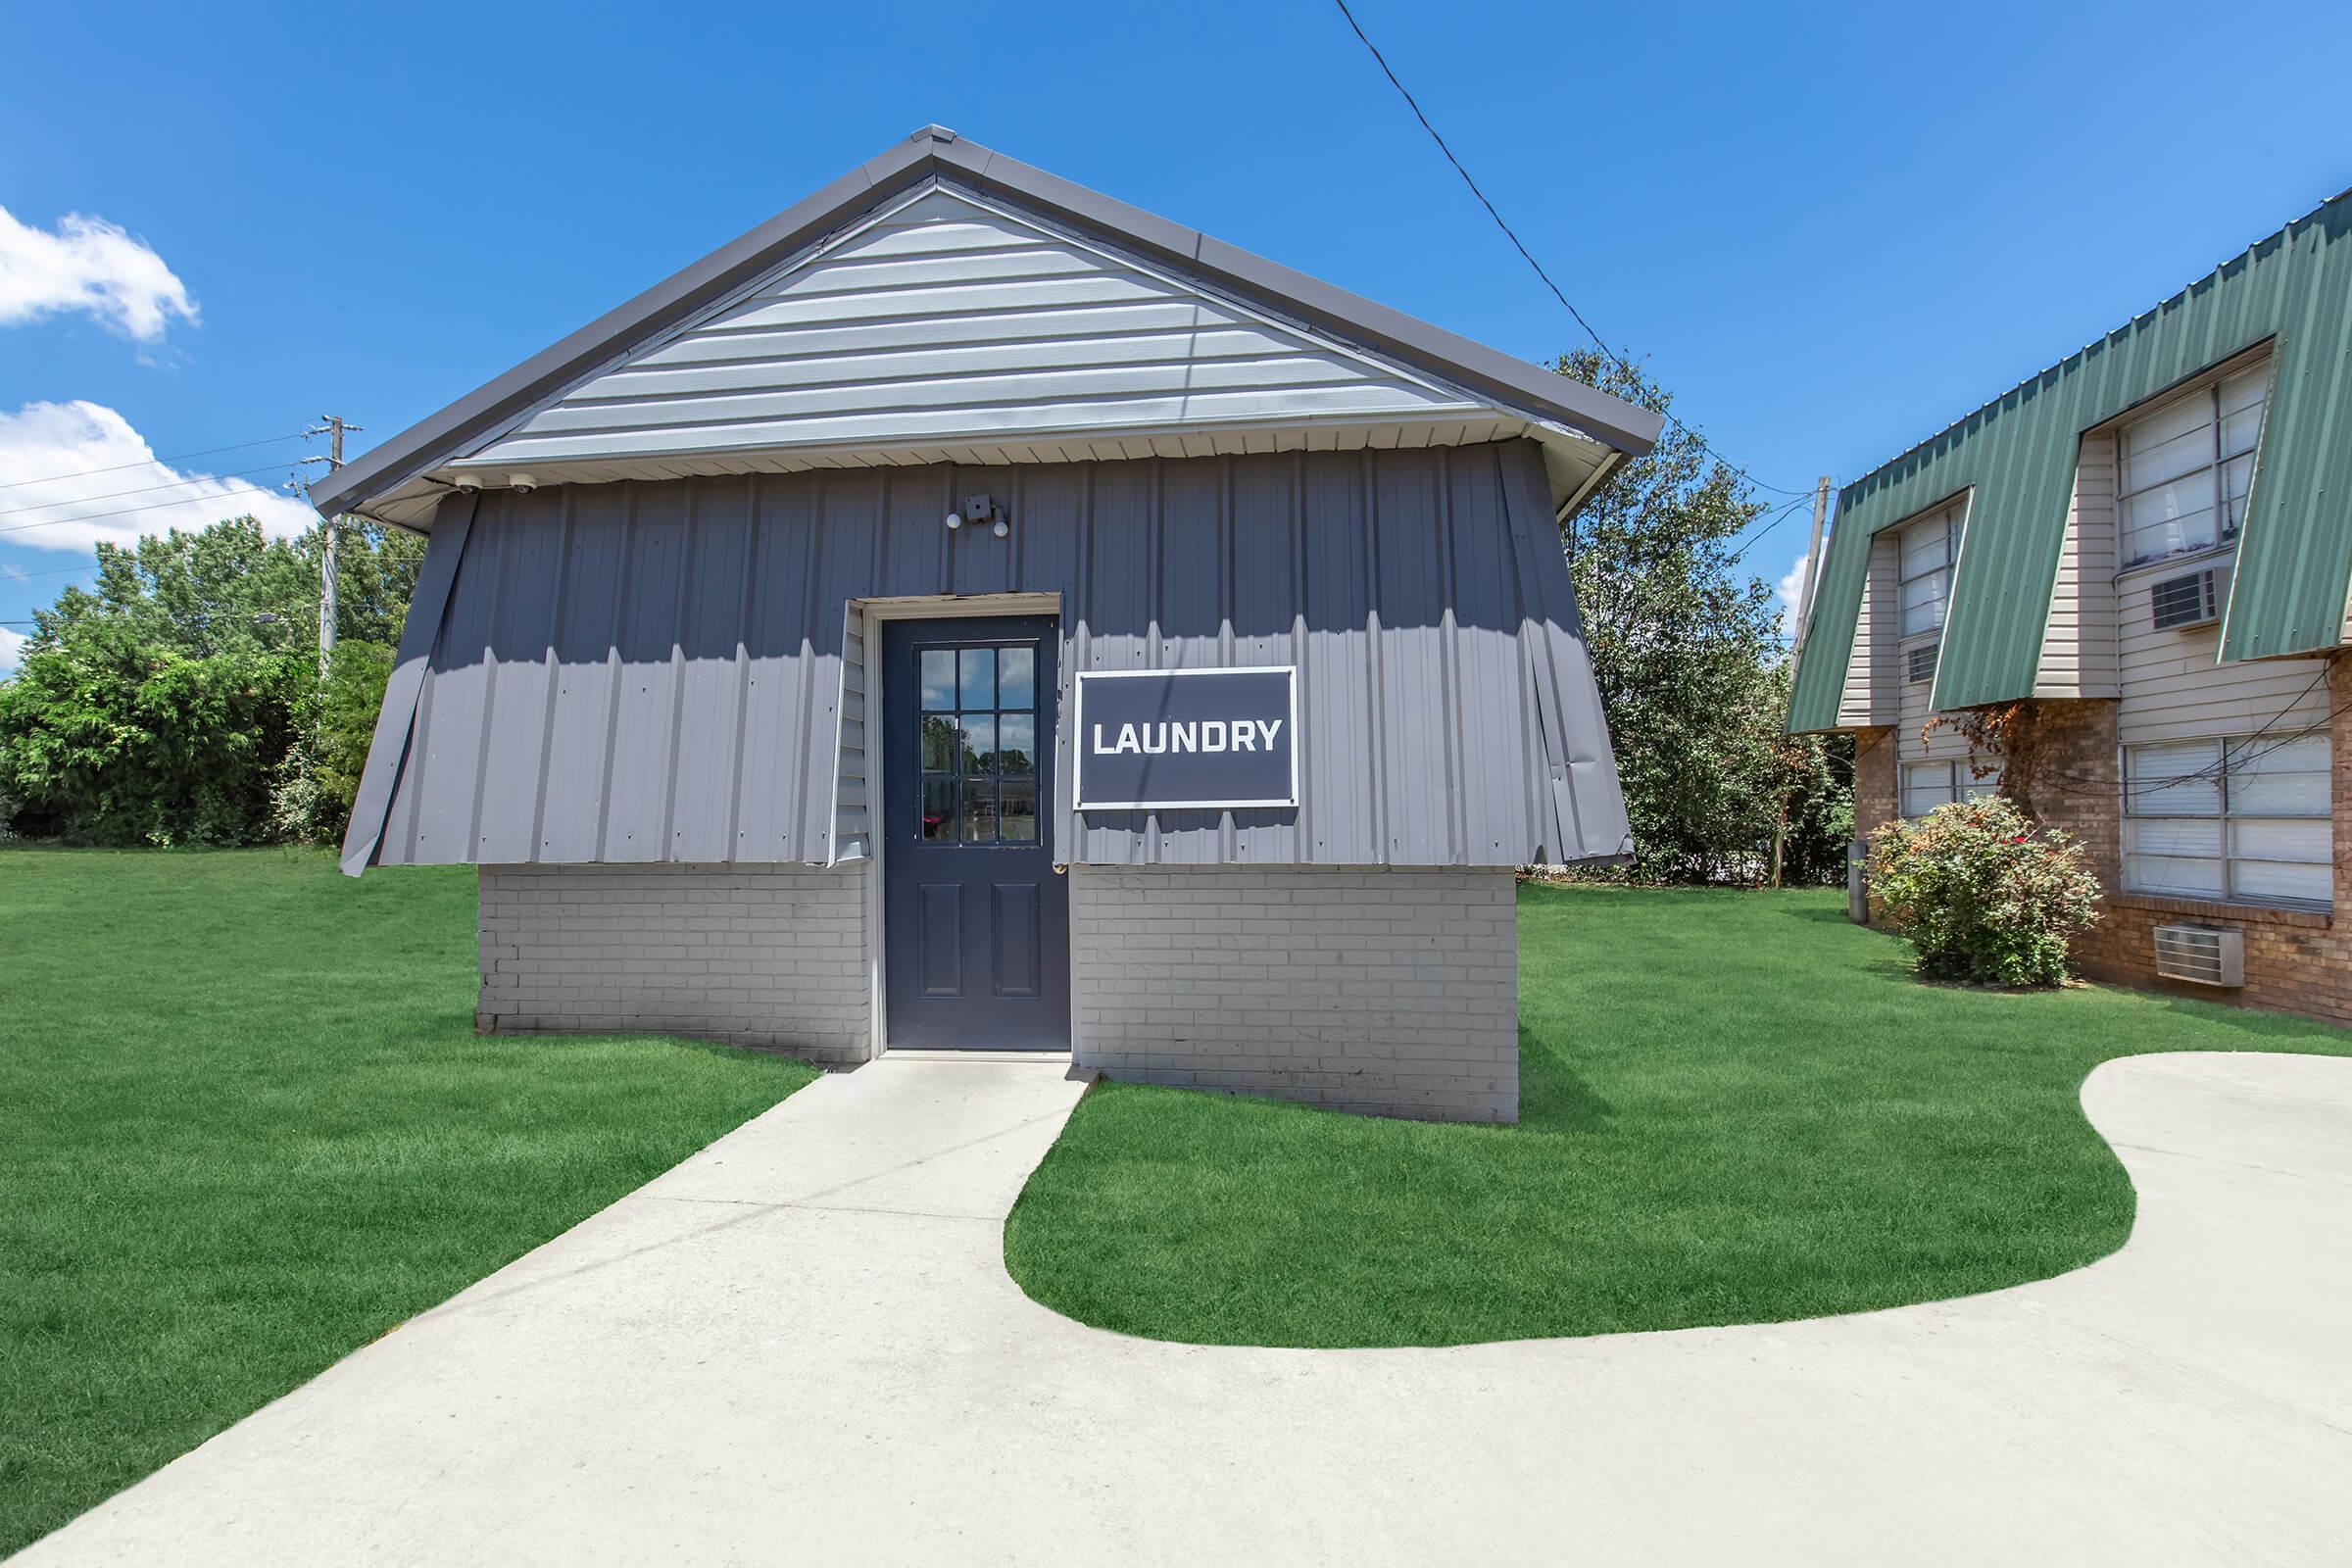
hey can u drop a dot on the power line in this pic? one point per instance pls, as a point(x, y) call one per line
point(124, 512)
point(1782, 516)
point(177, 457)
point(1519, 245)
point(2224, 761)
point(12, 576)
point(174, 484)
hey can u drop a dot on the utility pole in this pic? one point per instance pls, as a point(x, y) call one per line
point(1804, 606)
point(1796, 648)
point(331, 567)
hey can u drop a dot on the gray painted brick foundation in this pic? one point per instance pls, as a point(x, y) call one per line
point(1394, 992)
point(771, 956)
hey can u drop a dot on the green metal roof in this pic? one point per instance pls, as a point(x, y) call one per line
point(2018, 456)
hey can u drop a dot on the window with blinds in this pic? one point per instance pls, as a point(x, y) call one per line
point(2244, 819)
point(2188, 466)
point(1928, 785)
point(1929, 547)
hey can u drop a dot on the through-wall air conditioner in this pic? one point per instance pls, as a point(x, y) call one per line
point(2190, 600)
point(2202, 954)
point(1918, 664)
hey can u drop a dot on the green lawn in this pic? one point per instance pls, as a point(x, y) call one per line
point(246, 1127)
point(1736, 1108)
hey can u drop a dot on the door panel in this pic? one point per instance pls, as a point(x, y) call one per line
point(939, 939)
point(975, 921)
point(1016, 970)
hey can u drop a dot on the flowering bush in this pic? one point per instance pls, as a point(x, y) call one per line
point(1982, 895)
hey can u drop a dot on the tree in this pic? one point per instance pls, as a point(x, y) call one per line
point(1685, 650)
point(173, 699)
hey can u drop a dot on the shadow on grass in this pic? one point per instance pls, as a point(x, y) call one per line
point(1552, 1097)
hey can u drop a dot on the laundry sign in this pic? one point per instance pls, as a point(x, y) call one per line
point(1211, 738)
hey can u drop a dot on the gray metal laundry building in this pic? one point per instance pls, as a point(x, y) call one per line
point(968, 612)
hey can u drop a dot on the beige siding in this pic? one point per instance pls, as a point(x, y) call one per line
point(1910, 744)
point(2078, 639)
point(2173, 690)
point(1873, 671)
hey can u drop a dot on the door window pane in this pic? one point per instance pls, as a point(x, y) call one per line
point(1016, 677)
point(938, 678)
point(979, 677)
point(1017, 818)
point(979, 809)
point(939, 806)
point(1017, 743)
point(980, 756)
point(979, 742)
point(939, 743)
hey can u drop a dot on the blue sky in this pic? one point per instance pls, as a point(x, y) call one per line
point(1829, 230)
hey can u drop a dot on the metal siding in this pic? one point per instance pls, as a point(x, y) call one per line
point(1492, 733)
point(637, 759)
point(1410, 665)
point(1340, 804)
point(664, 671)
point(944, 320)
point(385, 480)
point(522, 673)
point(2294, 556)
point(388, 746)
point(857, 789)
point(711, 671)
point(767, 807)
point(571, 786)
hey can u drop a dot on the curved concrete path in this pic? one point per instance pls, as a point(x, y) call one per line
point(800, 1345)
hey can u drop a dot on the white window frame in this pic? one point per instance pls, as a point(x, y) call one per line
point(2214, 468)
point(1945, 517)
point(2225, 817)
point(1961, 783)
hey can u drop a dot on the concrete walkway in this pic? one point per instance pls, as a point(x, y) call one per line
point(800, 1347)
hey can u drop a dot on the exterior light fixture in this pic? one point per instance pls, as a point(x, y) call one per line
point(980, 509)
point(469, 484)
point(523, 483)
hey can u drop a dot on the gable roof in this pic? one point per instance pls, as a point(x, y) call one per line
point(2016, 456)
point(713, 367)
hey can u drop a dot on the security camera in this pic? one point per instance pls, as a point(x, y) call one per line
point(522, 483)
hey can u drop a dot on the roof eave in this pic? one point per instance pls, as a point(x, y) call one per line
point(934, 150)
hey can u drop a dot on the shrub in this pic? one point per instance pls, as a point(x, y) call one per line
point(1982, 896)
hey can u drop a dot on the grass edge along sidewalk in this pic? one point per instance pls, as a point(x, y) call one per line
point(1736, 1107)
point(246, 1127)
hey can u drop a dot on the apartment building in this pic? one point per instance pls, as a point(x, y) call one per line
point(2119, 594)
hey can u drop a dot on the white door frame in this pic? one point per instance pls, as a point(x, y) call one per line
point(872, 614)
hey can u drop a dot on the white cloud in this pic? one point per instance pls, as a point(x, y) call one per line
point(1791, 587)
point(11, 650)
point(73, 473)
point(89, 265)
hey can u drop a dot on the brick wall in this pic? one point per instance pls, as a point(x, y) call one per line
point(1389, 992)
point(771, 956)
point(1874, 780)
point(2297, 960)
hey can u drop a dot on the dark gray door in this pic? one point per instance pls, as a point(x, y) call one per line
point(976, 925)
